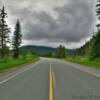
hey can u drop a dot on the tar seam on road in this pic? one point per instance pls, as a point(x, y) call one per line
point(51, 84)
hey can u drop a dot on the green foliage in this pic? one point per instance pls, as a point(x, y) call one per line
point(30, 55)
point(4, 34)
point(95, 51)
point(85, 49)
point(61, 52)
point(84, 61)
point(38, 50)
point(98, 8)
point(6, 61)
point(92, 47)
point(11, 63)
point(47, 54)
point(16, 40)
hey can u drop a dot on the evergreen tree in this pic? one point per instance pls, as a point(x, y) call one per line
point(98, 9)
point(4, 33)
point(17, 39)
point(61, 52)
point(95, 51)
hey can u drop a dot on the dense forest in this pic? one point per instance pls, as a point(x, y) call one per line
point(92, 47)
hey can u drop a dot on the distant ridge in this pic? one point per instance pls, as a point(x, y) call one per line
point(38, 50)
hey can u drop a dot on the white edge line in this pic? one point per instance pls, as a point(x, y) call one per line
point(92, 73)
point(11, 77)
point(85, 70)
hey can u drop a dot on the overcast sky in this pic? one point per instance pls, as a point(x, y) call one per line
point(52, 22)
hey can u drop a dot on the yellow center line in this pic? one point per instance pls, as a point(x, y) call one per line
point(51, 84)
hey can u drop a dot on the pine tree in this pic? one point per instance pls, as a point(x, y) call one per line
point(61, 52)
point(95, 52)
point(17, 39)
point(4, 33)
point(98, 8)
point(98, 13)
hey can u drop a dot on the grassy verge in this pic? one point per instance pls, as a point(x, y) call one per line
point(11, 63)
point(84, 61)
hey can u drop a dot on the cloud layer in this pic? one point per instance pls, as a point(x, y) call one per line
point(53, 21)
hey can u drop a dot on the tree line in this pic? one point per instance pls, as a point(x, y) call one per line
point(5, 39)
point(60, 52)
point(6, 42)
point(92, 47)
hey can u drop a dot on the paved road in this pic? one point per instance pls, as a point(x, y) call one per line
point(70, 82)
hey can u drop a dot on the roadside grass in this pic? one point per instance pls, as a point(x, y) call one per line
point(11, 63)
point(84, 61)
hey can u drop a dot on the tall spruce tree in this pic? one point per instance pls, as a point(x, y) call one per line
point(61, 52)
point(98, 9)
point(17, 39)
point(95, 51)
point(4, 33)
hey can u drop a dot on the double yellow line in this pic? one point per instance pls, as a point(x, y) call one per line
point(51, 85)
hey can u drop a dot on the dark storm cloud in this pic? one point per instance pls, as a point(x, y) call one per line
point(74, 22)
point(70, 22)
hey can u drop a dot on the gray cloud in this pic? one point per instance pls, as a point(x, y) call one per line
point(68, 21)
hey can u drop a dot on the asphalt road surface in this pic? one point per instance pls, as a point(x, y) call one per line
point(70, 82)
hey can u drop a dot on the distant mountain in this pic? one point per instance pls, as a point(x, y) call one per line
point(41, 50)
point(38, 50)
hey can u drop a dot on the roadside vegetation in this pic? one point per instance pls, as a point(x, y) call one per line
point(89, 54)
point(10, 55)
point(60, 52)
point(84, 61)
point(12, 63)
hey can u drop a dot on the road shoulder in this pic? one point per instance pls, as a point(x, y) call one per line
point(90, 70)
point(17, 70)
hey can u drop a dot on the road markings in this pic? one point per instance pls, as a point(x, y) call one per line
point(18, 73)
point(54, 80)
point(11, 77)
point(51, 84)
point(87, 71)
point(90, 73)
point(82, 68)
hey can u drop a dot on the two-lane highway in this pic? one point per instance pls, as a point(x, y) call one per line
point(32, 84)
point(51, 79)
point(72, 83)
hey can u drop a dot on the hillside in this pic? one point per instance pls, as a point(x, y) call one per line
point(38, 50)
